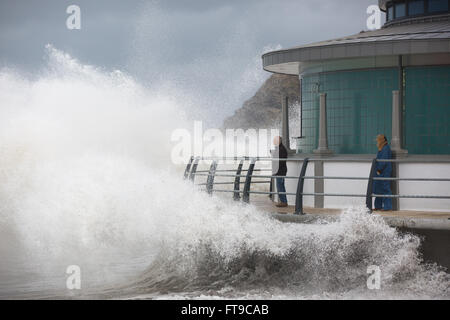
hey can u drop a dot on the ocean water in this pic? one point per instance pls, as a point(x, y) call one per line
point(86, 180)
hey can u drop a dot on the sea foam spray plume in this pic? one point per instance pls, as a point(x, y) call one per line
point(86, 180)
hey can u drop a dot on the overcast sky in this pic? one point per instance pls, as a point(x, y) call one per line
point(202, 45)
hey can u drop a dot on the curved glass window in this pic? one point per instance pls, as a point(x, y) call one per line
point(416, 7)
point(390, 13)
point(437, 5)
point(413, 8)
point(400, 10)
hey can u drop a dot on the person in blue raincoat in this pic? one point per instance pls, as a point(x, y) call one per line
point(383, 169)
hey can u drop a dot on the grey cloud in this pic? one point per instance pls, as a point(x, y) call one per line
point(209, 47)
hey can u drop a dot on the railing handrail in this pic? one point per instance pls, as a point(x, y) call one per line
point(326, 159)
point(191, 172)
point(204, 174)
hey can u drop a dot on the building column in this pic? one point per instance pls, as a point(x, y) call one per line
point(319, 184)
point(396, 144)
point(285, 123)
point(323, 131)
point(396, 140)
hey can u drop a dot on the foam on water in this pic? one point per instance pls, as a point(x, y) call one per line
point(240, 252)
point(86, 179)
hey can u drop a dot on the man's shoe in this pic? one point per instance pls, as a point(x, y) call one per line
point(281, 205)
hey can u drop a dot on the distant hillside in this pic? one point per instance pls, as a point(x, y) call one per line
point(263, 110)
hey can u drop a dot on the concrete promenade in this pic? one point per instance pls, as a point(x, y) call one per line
point(402, 218)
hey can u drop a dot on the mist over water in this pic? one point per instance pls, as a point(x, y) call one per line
point(86, 179)
point(213, 73)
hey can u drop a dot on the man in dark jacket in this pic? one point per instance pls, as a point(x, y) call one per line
point(384, 169)
point(279, 169)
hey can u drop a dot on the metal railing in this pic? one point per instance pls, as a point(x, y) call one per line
point(244, 194)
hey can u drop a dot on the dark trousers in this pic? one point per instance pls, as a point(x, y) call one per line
point(383, 188)
point(281, 188)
